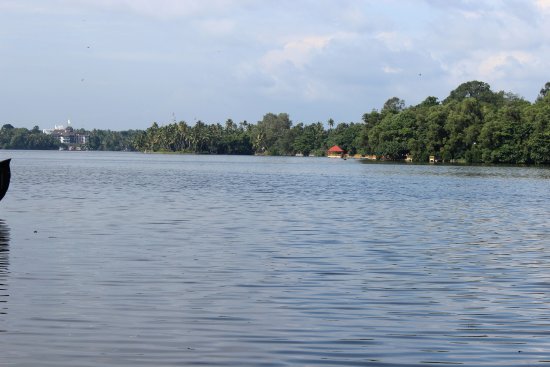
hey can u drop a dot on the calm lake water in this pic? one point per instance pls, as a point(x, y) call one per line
point(128, 259)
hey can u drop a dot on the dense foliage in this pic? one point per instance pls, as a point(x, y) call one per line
point(473, 124)
point(22, 138)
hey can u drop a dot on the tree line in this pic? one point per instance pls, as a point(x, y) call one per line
point(473, 124)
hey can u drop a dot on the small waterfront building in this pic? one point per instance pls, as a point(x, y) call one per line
point(67, 136)
point(335, 152)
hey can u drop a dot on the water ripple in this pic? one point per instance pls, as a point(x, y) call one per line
point(151, 260)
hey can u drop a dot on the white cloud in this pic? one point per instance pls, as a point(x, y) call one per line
point(158, 8)
point(142, 56)
point(471, 14)
point(163, 8)
point(298, 68)
point(543, 4)
point(297, 52)
point(347, 55)
point(391, 70)
point(394, 41)
point(504, 70)
point(497, 64)
point(219, 27)
point(287, 73)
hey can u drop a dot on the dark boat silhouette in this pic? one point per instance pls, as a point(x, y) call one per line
point(5, 175)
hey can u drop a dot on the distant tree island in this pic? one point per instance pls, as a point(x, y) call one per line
point(472, 125)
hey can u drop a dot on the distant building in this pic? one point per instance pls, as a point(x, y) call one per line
point(336, 152)
point(67, 135)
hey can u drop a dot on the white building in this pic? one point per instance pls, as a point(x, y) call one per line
point(66, 135)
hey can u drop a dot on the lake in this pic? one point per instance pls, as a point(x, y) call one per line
point(129, 259)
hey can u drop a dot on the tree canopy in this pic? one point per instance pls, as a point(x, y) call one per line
point(473, 124)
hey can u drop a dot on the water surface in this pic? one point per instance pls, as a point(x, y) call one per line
point(128, 259)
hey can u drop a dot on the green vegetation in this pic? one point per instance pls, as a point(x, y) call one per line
point(21, 138)
point(473, 124)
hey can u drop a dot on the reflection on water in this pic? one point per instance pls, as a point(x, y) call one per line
point(4, 262)
point(164, 260)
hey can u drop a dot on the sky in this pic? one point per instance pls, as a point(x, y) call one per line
point(124, 64)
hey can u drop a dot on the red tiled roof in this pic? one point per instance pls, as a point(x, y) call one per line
point(336, 149)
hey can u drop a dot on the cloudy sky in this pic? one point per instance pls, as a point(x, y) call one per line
point(122, 64)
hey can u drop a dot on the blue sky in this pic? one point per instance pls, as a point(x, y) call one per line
point(122, 64)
